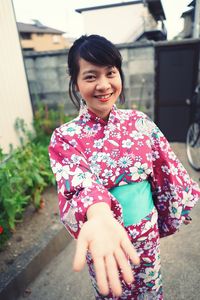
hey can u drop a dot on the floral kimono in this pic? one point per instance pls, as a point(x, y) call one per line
point(90, 156)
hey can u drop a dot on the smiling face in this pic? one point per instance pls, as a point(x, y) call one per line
point(99, 86)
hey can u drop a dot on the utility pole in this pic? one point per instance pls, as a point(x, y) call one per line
point(196, 28)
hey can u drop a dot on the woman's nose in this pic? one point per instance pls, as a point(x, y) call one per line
point(103, 84)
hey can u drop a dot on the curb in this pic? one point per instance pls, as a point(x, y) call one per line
point(29, 264)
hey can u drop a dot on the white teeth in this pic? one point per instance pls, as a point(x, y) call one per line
point(104, 96)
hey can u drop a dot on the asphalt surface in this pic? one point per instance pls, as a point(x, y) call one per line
point(180, 256)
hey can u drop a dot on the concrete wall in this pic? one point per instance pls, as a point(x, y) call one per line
point(14, 95)
point(139, 70)
point(48, 79)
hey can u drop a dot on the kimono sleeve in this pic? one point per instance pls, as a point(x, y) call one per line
point(174, 192)
point(78, 188)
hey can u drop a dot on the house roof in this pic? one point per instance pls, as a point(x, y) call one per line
point(37, 28)
point(155, 7)
point(188, 12)
point(80, 10)
point(155, 35)
point(192, 3)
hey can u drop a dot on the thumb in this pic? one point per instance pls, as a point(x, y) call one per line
point(80, 254)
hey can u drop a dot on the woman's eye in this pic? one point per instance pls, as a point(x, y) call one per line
point(90, 78)
point(111, 73)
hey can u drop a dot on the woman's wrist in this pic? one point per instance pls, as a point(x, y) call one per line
point(99, 209)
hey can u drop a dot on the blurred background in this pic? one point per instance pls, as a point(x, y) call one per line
point(158, 39)
point(160, 44)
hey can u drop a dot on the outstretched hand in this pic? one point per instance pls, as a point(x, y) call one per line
point(110, 247)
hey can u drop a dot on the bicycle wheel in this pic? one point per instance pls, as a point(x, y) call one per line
point(193, 146)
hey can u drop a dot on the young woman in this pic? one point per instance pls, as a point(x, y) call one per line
point(120, 186)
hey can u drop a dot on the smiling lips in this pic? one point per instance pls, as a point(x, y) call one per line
point(103, 98)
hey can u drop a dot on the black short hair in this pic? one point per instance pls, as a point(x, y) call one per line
point(96, 50)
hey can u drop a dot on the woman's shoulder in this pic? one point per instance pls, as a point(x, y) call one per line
point(69, 128)
point(132, 114)
point(139, 120)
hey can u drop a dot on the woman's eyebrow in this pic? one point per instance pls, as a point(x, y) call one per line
point(94, 71)
point(89, 71)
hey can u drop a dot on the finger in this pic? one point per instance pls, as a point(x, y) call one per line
point(80, 254)
point(130, 251)
point(113, 275)
point(186, 222)
point(101, 278)
point(124, 265)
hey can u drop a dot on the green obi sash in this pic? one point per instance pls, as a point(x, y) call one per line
point(136, 201)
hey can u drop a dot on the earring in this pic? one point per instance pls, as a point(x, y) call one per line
point(82, 103)
point(82, 106)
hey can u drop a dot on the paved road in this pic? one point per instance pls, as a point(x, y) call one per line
point(180, 256)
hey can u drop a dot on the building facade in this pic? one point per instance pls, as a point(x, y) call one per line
point(37, 37)
point(126, 22)
point(191, 19)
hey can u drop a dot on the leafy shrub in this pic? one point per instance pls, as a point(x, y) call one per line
point(25, 172)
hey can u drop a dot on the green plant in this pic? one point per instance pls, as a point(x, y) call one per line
point(23, 177)
point(46, 120)
point(25, 172)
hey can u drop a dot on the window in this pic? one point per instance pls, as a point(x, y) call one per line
point(56, 39)
point(28, 49)
point(25, 35)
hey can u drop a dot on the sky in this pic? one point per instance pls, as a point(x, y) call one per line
point(60, 14)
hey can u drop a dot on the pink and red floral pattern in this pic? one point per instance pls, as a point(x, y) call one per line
point(89, 156)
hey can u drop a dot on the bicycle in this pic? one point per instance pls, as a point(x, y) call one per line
point(193, 133)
